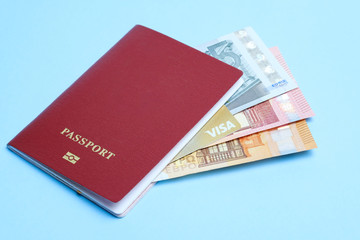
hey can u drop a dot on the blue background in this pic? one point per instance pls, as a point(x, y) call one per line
point(46, 45)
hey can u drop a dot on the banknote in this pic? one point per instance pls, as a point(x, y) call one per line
point(291, 138)
point(263, 76)
point(286, 108)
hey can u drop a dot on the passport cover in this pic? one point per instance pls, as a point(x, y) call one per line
point(126, 112)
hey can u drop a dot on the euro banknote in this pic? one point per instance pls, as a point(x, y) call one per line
point(291, 138)
point(263, 76)
point(286, 108)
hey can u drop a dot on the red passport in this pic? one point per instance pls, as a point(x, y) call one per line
point(115, 128)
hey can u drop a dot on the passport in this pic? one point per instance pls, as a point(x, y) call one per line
point(116, 128)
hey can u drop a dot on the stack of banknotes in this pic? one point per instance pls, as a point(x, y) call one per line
point(265, 118)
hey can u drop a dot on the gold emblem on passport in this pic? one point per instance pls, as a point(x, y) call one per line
point(71, 157)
